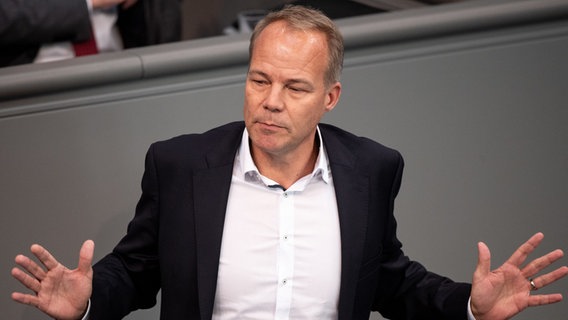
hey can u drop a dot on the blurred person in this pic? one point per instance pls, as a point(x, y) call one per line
point(51, 30)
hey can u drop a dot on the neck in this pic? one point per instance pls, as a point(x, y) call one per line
point(287, 168)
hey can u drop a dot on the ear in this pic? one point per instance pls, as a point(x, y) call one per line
point(333, 94)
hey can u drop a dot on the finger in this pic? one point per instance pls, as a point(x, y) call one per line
point(44, 256)
point(28, 281)
point(521, 254)
point(30, 266)
point(539, 264)
point(544, 299)
point(25, 299)
point(86, 256)
point(551, 277)
point(483, 261)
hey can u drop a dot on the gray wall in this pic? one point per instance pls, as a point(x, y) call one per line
point(474, 96)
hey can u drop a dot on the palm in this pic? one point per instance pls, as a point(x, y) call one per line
point(63, 292)
point(502, 293)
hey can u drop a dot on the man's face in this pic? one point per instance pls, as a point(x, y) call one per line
point(285, 93)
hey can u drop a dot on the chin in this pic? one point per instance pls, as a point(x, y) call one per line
point(267, 144)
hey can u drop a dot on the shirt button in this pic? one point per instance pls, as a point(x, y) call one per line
point(284, 282)
point(285, 195)
point(286, 237)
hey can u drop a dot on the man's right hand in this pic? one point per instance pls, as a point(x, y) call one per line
point(57, 291)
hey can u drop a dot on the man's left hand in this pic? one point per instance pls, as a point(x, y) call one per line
point(502, 293)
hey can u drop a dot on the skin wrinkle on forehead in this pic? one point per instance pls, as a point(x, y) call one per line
point(306, 39)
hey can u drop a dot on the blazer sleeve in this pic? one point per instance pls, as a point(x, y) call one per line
point(406, 290)
point(129, 278)
point(35, 22)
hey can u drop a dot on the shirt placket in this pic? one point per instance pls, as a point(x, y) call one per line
point(285, 256)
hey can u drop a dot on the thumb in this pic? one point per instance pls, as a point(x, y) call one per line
point(86, 256)
point(483, 261)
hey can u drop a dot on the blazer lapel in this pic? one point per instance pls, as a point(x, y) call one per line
point(211, 193)
point(352, 193)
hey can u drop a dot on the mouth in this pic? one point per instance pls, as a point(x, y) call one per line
point(269, 126)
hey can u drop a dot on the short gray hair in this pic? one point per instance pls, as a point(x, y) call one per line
point(304, 18)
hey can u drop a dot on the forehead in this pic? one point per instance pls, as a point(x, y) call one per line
point(285, 47)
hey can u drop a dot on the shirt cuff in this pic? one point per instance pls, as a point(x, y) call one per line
point(86, 316)
point(469, 313)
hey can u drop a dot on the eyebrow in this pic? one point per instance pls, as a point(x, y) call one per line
point(258, 73)
point(287, 82)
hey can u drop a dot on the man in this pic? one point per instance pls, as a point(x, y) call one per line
point(44, 30)
point(279, 217)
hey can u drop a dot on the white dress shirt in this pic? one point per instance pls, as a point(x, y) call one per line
point(281, 249)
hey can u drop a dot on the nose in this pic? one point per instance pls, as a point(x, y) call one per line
point(274, 101)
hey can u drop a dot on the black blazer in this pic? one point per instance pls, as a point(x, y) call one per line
point(174, 241)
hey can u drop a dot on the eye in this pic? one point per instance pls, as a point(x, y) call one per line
point(297, 89)
point(259, 82)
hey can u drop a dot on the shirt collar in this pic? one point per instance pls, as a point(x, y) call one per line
point(248, 170)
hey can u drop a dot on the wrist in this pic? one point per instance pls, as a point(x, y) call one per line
point(87, 309)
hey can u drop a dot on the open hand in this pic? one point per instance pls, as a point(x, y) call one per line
point(57, 291)
point(502, 293)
